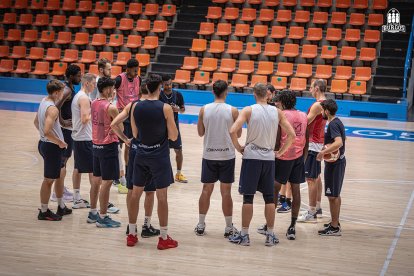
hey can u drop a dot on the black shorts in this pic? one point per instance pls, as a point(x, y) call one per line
point(177, 144)
point(127, 130)
point(334, 177)
point(312, 166)
point(217, 170)
point(105, 161)
point(290, 170)
point(257, 175)
point(149, 187)
point(52, 156)
point(157, 170)
point(82, 153)
point(67, 136)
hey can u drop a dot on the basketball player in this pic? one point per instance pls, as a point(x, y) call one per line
point(258, 165)
point(105, 153)
point(147, 229)
point(82, 137)
point(290, 166)
point(176, 100)
point(214, 123)
point(334, 171)
point(316, 126)
point(127, 86)
point(73, 77)
point(104, 70)
point(51, 146)
point(152, 125)
point(271, 93)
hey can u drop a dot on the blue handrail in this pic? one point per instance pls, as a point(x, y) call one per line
point(408, 59)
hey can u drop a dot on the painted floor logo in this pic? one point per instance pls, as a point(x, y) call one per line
point(393, 22)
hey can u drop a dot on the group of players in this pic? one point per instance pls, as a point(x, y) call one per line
point(145, 119)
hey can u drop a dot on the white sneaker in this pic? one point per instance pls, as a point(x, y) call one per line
point(307, 217)
point(67, 196)
point(271, 239)
point(81, 203)
point(112, 209)
point(262, 229)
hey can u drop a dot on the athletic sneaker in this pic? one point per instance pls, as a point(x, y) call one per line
point(230, 231)
point(291, 233)
point(238, 238)
point(326, 225)
point(285, 208)
point(115, 182)
point(67, 195)
point(122, 189)
point(278, 201)
point(330, 231)
point(307, 217)
point(107, 222)
point(179, 177)
point(112, 209)
point(63, 211)
point(81, 203)
point(148, 232)
point(271, 239)
point(262, 229)
point(48, 215)
point(200, 229)
point(319, 213)
point(132, 240)
point(92, 218)
point(167, 243)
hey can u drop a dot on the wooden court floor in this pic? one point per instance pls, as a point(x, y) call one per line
point(377, 220)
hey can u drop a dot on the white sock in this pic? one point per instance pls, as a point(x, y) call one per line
point(147, 221)
point(318, 205)
point(44, 207)
point(269, 230)
point(94, 211)
point(229, 221)
point(123, 180)
point(103, 215)
point(132, 229)
point(61, 203)
point(312, 210)
point(76, 194)
point(245, 231)
point(178, 171)
point(201, 219)
point(163, 232)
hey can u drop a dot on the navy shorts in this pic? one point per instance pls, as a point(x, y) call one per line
point(312, 166)
point(67, 136)
point(127, 130)
point(82, 153)
point(157, 170)
point(177, 144)
point(217, 170)
point(52, 156)
point(149, 187)
point(334, 177)
point(290, 170)
point(105, 161)
point(257, 175)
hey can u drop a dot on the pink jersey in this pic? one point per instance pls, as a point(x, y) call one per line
point(127, 92)
point(102, 133)
point(299, 122)
point(317, 129)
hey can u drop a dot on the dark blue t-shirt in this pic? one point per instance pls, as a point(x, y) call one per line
point(66, 109)
point(335, 129)
point(174, 98)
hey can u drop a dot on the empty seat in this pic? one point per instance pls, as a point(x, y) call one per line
point(284, 16)
point(296, 32)
point(143, 25)
point(52, 5)
point(6, 65)
point(116, 40)
point(320, 17)
point(362, 73)
point(101, 7)
point(41, 68)
point(253, 48)
point(1, 34)
point(228, 65)
point(143, 59)
point(309, 51)
point(206, 28)
point(201, 78)
point(59, 69)
point(314, 34)
point(265, 68)
point(58, 21)
point(302, 17)
point(88, 56)
point(214, 13)
point(23, 67)
point(75, 22)
point(278, 32)
point(41, 20)
point(260, 31)
point(108, 23)
point(339, 86)
point(338, 18)
point(357, 19)
point(93, 69)
point(237, 1)
point(271, 3)
point(271, 49)
point(348, 53)
point(220, 76)
point(20, 4)
point(223, 29)
point(324, 3)
point(368, 54)
point(289, 3)
point(64, 38)
point(372, 36)
point(151, 9)
point(9, 18)
point(122, 58)
point(333, 34)
point(182, 76)
point(6, 4)
point(36, 53)
point(134, 9)
point(216, 47)
point(343, 72)
point(168, 10)
point(81, 39)
point(108, 55)
point(279, 83)
point(375, 20)
point(134, 41)
point(379, 4)
point(70, 55)
point(190, 63)
point(118, 8)
point(209, 64)
point(239, 80)
point(199, 45)
point(69, 6)
point(92, 22)
point(13, 35)
point(126, 24)
point(160, 26)
point(85, 6)
point(53, 54)
point(37, 4)
point(220, 1)
point(291, 50)
point(248, 15)
point(234, 47)
point(358, 87)
point(297, 84)
point(343, 4)
point(25, 19)
point(329, 52)
point(246, 67)
point(284, 69)
point(266, 15)
point(4, 51)
point(18, 52)
point(323, 71)
point(307, 3)
point(360, 4)
point(258, 79)
point(30, 36)
point(231, 13)
point(352, 35)
point(304, 70)
point(242, 30)
point(47, 37)
point(150, 42)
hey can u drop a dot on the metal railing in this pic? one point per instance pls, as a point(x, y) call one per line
point(408, 59)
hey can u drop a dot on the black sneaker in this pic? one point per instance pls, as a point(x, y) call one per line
point(148, 232)
point(330, 231)
point(63, 211)
point(200, 230)
point(329, 224)
point(230, 231)
point(319, 213)
point(48, 215)
point(291, 233)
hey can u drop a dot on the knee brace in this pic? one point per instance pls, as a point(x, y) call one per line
point(248, 199)
point(269, 199)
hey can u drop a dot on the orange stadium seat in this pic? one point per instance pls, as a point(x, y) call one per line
point(360, 4)
point(362, 73)
point(134, 9)
point(206, 28)
point(231, 13)
point(284, 69)
point(302, 17)
point(266, 15)
point(357, 19)
point(18, 52)
point(242, 30)
point(223, 29)
point(296, 33)
point(201, 78)
point(209, 64)
point(199, 45)
point(85, 6)
point(81, 39)
point(358, 87)
point(271, 49)
point(289, 3)
point(93, 69)
point(69, 6)
point(258, 79)
point(168, 10)
point(278, 32)
point(25, 19)
point(309, 51)
point(9, 18)
point(372, 36)
point(42, 20)
point(37, 5)
point(4, 51)
point(6, 4)
point(36, 53)
point(246, 67)
point(160, 26)
point(116, 71)
point(304, 70)
point(53, 54)
point(6, 65)
point(323, 71)
point(253, 48)
point(117, 8)
point(348, 53)
point(284, 16)
point(182, 76)
point(214, 13)
point(228, 65)
point(88, 56)
point(108, 55)
point(234, 47)
point(271, 3)
point(307, 3)
point(52, 5)
point(343, 72)
point(108, 23)
point(143, 59)
point(20, 4)
point(58, 21)
point(375, 20)
point(339, 86)
point(151, 9)
point(239, 80)
point(41, 68)
point(333, 34)
point(75, 21)
point(320, 17)
point(329, 52)
point(265, 68)
point(290, 50)
point(101, 7)
point(324, 3)
point(260, 31)
point(122, 58)
point(380, 4)
point(150, 42)
point(368, 54)
point(190, 63)
point(134, 41)
point(23, 67)
point(297, 84)
point(216, 46)
point(13, 35)
point(98, 40)
point(338, 18)
point(143, 25)
point(70, 55)
point(126, 24)
point(314, 34)
point(219, 76)
point(30, 36)
point(92, 22)
point(58, 69)
point(248, 15)
point(343, 4)
point(116, 40)
point(279, 83)
point(47, 37)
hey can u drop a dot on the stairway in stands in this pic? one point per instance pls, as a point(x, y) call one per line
point(388, 81)
point(171, 55)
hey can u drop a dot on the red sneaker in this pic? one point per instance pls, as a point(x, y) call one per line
point(167, 243)
point(132, 240)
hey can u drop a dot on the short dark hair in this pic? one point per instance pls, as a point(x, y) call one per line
point(271, 88)
point(72, 70)
point(102, 63)
point(260, 90)
point(219, 87)
point(153, 82)
point(53, 86)
point(330, 105)
point(132, 63)
point(105, 82)
point(321, 84)
point(288, 99)
point(143, 87)
point(166, 77)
